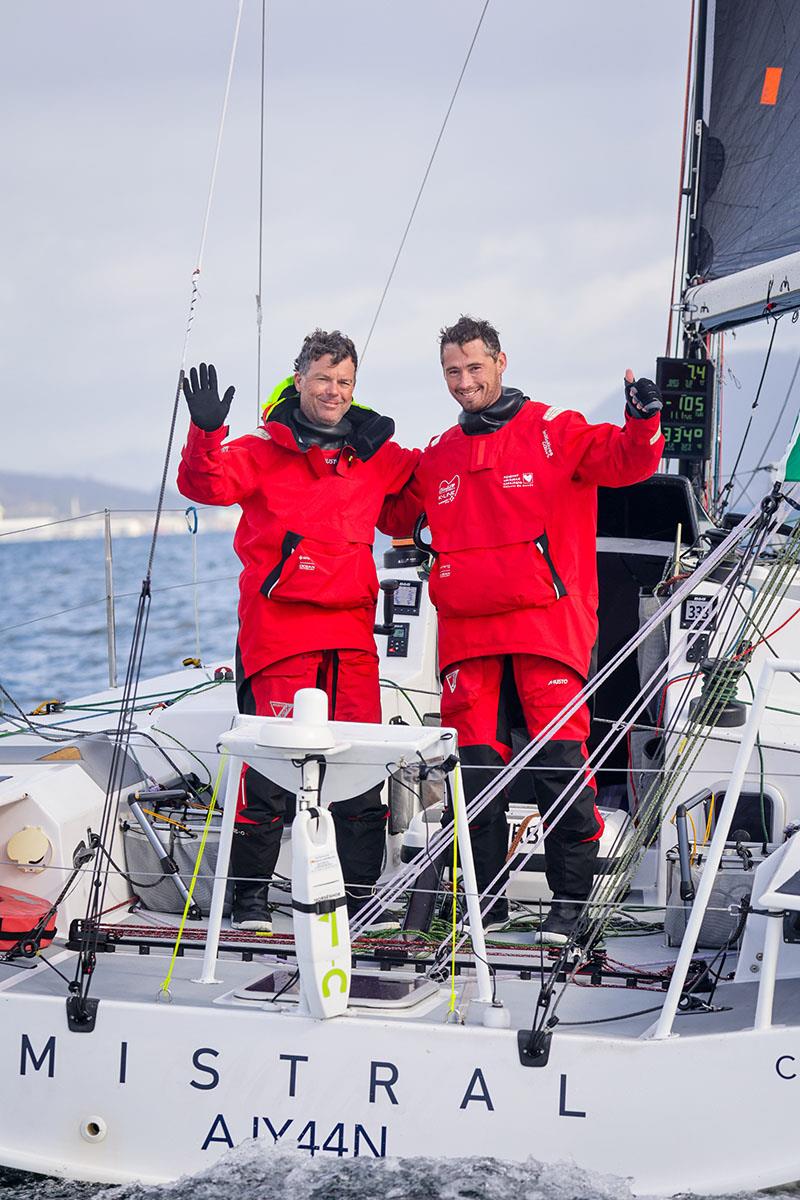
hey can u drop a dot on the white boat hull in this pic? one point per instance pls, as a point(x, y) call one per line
point(159, 1098)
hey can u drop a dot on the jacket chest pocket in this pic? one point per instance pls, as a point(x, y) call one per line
point(487, 581)
point(327, 574)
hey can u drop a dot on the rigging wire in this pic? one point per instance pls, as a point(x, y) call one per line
point(259, 293)
point(657, 795)
point(442, 839)
point(776, 426)
point(59, 521)
point(610, 890)
point(84, 969)
point(164, 989)
point(424, 179)
point(192, 526)
point(724, 495)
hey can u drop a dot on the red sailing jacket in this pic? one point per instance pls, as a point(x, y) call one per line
point(306, 531)
point(513, 517)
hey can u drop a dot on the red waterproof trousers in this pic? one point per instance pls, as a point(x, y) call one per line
point(350, 678)
point(484, 699)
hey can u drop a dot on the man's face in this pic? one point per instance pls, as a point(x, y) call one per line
point(474, 378)
point(326, 389)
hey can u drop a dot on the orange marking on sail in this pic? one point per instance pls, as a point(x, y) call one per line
point(772, 81)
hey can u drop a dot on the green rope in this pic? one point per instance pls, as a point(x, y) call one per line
point(164, 989)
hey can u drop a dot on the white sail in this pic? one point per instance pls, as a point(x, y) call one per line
point(770, 288)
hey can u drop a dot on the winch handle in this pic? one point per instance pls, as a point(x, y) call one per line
point(388, 587)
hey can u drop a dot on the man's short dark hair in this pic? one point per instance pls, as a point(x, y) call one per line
point(319, 343)
point(469, 329)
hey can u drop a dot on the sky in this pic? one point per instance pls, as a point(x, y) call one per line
point(549, 209)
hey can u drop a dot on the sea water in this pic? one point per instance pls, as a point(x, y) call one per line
point(53, 617)
point(253, 1171)
point(53, 645)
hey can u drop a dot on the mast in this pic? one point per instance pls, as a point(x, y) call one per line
point(698, 470)
point(743, 192)
point(697, 141)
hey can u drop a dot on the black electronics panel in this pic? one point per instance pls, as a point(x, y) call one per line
point(407, 598)
point(696, 609)
point(397, 642)
point(687, 388)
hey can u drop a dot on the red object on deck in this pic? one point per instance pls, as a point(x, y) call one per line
point(20, 915)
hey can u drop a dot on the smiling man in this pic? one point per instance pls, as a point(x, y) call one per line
point(510, 494)
point(310, 481)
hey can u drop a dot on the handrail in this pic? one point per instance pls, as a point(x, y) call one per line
point(663, 1027)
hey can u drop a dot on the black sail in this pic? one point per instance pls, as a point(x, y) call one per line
point(749, 210)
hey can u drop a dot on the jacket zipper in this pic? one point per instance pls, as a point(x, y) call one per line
point(543, 546)
point(290, 543)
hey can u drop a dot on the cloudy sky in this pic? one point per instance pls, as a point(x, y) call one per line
point(550, 207)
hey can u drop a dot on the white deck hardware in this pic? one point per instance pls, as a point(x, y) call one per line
point(663, 1027)
point(356, 756)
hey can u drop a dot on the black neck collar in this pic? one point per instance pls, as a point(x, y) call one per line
point(327, 437)
point(366, 431)
point(507, 405)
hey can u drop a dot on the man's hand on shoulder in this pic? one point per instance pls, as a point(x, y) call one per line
point(642, 397)
point(207, 411)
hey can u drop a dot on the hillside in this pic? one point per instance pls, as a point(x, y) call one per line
point(51, 496)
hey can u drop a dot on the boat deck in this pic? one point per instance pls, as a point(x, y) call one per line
point(609, 1009)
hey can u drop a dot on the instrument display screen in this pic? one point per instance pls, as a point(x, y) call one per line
point(699, 610)
point(407, 597)
point(687, 389)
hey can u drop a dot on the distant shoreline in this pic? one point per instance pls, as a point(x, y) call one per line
point(124, 524)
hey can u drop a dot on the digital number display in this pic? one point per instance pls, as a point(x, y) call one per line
point(699, 610)
point(407, 597)
point(687, 391)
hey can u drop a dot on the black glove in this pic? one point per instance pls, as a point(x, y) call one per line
point(208, 412)
point(642, 399)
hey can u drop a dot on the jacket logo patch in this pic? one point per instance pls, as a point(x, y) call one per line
point(548, 449)
point(444, 570)
point(448, 489)
point(280, 708)
point(451, 678)
point(551, 682)
point(518, 480)
point(304, 563)
point(551, 413)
